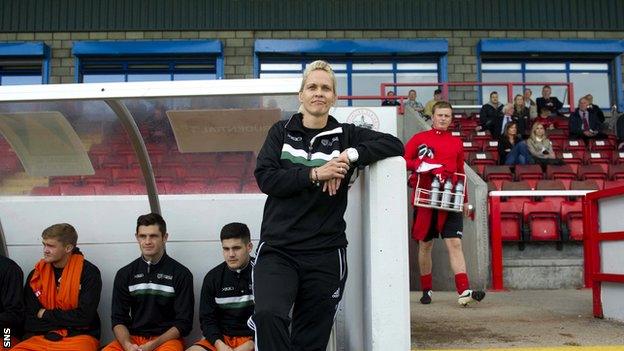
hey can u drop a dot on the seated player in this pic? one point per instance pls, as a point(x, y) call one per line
point(226, 297)
point(61, 297)
point(11, 301)
point(152, 307)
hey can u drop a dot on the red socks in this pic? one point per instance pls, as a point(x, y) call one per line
point(461, 282)
point(425, 282)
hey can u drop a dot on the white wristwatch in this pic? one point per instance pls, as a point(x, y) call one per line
point(352, 155)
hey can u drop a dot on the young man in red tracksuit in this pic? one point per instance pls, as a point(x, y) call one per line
point(436, 153)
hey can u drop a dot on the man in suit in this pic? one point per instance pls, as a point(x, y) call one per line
point(584, 123)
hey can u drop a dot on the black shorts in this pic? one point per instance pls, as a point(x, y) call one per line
point(453, 228)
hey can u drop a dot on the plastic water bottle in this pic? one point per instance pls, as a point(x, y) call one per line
point(459, 199)
point(446, 195)
point(435, 192)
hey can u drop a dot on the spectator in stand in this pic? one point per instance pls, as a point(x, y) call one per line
point(529, 103)
point(545, 119)
point(584, 123)
point(437, 96)
point(549, 102)
point(412, 106)
point(504, 118)
point(490, 116)
point(595, 108)
point(11, 300)
point(511, 149)
point(390, 100)
point(522, 116)
point(540, 147)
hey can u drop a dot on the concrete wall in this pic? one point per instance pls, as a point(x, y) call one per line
point(238, 47)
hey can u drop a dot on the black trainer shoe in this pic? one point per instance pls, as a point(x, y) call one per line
point(426, 298)
point(469, 296)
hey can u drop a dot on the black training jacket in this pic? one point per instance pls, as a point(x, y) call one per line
point(81, 320)
point(298, 215)
point(149, 299)
point(11, 296)
point(226, 303)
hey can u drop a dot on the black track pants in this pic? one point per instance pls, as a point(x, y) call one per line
point(311, 283)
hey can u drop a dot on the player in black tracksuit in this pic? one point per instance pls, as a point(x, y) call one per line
point(151, 298)
point(226, 297)
point(11, 296)
point(152, 304)
point(301, 259)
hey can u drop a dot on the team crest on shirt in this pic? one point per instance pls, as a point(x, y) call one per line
point(365, 118)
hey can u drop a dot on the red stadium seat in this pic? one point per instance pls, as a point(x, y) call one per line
point(573, 158)
point(601, 158)
point(9, 163)
point(542, 220)
point(72, 190)
point(491, 146)
point(472, 146)
point(224, 187)
point(497, 174)
point(166, 174)
point(601, 145)
point(511, 220)
point(480, 159)
point(616, 172)
point(46, 191)
point(485, 136)
point(102, 176)
point(234, 158)
point(592, 172)
point(516, 186)
point(251, 186)
point(530, 173)
point(72, 180)
point(132, 175)
point(115, 161)
point(119, 189)
point(589, 184)
point(188, 188)
point(572, 218)
point(613, 183)
point(574, 145)
point(618, 157)
point(564, 173)
point(202, 175)
point(552, 185)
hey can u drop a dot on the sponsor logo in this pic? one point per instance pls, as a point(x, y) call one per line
point(293, 137)
point(460, 233)
point(140, 275)
point(327, 142)
point(365, 118)
point(336, 294)
point(228, 288)
point(164, 276)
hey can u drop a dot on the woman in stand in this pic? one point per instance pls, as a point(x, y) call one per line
point(541, 148)
point(511, 149)
point(522, 116)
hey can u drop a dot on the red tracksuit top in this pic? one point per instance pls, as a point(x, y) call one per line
point(447, 151)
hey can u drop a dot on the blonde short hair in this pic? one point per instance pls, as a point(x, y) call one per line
point(318, 65)
point(63, 232)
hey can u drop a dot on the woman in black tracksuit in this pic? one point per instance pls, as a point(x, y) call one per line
point(303, 167)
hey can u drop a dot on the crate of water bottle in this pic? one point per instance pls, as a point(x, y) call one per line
point(446, 196)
